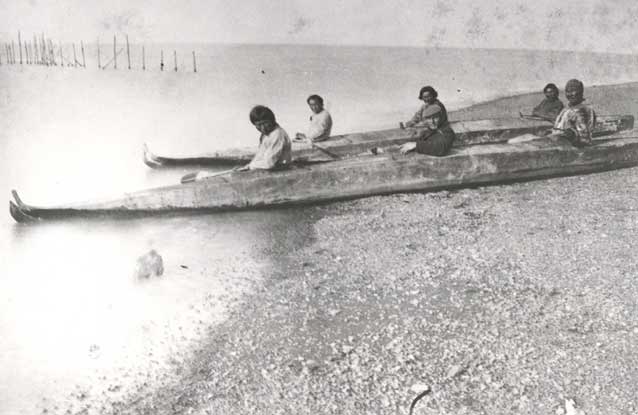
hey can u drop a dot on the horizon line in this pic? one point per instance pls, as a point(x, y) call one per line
point(344, 45)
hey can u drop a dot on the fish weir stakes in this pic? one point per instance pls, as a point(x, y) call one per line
point(44, 51)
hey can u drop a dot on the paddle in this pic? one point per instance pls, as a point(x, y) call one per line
point(534, 117)
point(530, 137)
point(330, 153)
point(198, 175)
point(318, 147)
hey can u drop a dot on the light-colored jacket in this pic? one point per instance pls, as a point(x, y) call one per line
point(320, 126)
point(274, 151)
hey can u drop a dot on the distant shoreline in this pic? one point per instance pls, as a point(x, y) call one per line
point(606, 98)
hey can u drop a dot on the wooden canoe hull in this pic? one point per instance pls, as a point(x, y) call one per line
point(468, 133)
point(361, 177)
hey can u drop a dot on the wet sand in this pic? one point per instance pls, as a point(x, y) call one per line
point(501, 300)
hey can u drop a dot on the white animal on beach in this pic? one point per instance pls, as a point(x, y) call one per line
point(150, 263)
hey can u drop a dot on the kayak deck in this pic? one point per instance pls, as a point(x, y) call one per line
point(360, 177)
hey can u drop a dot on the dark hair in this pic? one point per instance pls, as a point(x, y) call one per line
point(552, 87)
point(316, 98)
point(261, 113)
point(429, 89)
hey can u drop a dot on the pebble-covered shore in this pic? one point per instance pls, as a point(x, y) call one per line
point(499, 300)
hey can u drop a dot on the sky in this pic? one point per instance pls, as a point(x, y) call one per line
point(589, 25)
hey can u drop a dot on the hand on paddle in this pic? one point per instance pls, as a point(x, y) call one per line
point(300, 138)
point(407, 147)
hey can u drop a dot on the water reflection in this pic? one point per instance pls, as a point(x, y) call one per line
point(73, 313)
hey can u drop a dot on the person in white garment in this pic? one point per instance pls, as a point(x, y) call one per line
point(320, 122)
point(274, 144)
point(274, 151)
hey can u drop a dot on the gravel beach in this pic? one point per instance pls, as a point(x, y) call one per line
point(498, 300)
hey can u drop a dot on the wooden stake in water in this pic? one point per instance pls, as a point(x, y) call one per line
point(51, 53)
point(194, 63)
point(35, 51)
point(128, 53)
point(44, 51)
point(75, 58)
point(13, 52)
point(83, 57)
point(161, 60)
point(99, 63)
point(61, 55)
point(143, 59)
point(175, 59)
point(114, 52)
point(20, 46)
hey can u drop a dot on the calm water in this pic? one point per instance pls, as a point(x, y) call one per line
point(72, 317)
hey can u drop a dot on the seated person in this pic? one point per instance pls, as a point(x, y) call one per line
point(320, 121)
point(575, 122)
point(438, 136)
point(551, 106)
point(274, 149)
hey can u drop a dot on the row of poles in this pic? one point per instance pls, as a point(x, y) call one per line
point(117, 52)
point(41, 51)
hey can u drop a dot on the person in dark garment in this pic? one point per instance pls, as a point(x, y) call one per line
point(550, 106)
point(437, 136)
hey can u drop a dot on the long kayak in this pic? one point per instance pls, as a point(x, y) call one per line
point(360, 177)
point(349, 145)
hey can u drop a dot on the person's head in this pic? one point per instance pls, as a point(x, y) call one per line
point(550, 91)
point(315, 102)
point(574, 91)
point(263, 119)
point(428, 94)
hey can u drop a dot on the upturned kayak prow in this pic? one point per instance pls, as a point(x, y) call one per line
point(150, 159)
point(19, 210)
point(19, 202)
